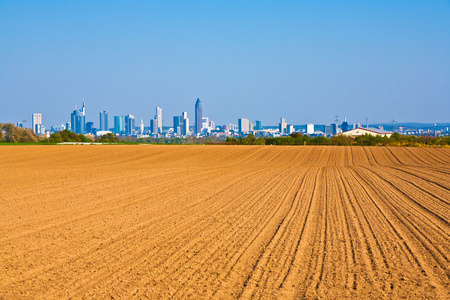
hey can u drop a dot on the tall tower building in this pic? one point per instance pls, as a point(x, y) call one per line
point(78, 119)
point(283, 125)
point(36, 123)
point(159, 119)
point(154, 126)
point(142, 127)
point(176, 125)
point(184, 123)
point(104, 121)
point(130, 122)
point(244, 126)
point(258, 125)
point(198, 117)
point(119, 124)
point(344, 125)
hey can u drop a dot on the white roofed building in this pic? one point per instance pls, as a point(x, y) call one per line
point(363, 131)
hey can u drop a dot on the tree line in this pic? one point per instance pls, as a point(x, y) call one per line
point(395, 139)
point(9, 133)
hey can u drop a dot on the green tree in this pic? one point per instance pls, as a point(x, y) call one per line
point(55, 138)
point(341, 140)
point(111, 138)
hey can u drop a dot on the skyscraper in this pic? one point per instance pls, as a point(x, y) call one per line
point(184, 123)
point(130, 124)
point(36, 123)
point(90, 127)
point(158, 117)
point(104, 121)
point(344, 125)
point(142, 127)
point(258, 125)
point(176, 125)
point(78, 120)
point(119, 124)
point(283, 125)
point(244, 126)
point(154, 126)
point(198, 117)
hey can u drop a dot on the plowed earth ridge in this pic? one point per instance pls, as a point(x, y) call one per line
point(224, 222)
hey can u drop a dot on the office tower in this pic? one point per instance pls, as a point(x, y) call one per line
point(119, 124)
point(258, 125)
point(154, 126)
point(212, 125)
point(335, 128)
point(68, 126)
point(310, 128)
point(158, 117)
point(142, 127)
point(176, 125)
point(78, 120)
point(198, 117)
point(283, 125)
point(205, 123)
point(129, 124)
point(344, 125)
point(90, 127)
point(329, 130)
point(243, 125)
point(36, 123)
point(290, 129)
point(184, 123)
point(104, 121)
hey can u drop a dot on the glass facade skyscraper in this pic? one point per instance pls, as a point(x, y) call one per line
point(198, 117)
point(78, 120)
point(119, 124)
point(104, 121)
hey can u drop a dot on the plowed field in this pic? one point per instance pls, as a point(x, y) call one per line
point(224, 222)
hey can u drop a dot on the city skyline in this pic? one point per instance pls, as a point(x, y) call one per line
point(302, 61)
point(125, 125)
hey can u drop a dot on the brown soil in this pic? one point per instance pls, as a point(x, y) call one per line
point(224, 222)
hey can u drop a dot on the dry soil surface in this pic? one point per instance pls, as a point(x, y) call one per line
point(224, 222)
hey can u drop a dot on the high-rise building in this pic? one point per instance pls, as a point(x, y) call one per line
point(244, 126)
point(258, 125)
point(104, 126)
point(184, 123)
point(78, 120)
point(159, 119)
point(130, 122)
point(142, 127)
point(329, 130)
point(290, 129)
point(176, 125)
point(198, 117)
point(283, 125)
point(119, 124)
point(344, 125)
point(154, 126)
point(90, 127)
point(310, 128)
point(36, 123)
point(205, 122)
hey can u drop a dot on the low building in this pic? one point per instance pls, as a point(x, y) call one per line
point(363, 131)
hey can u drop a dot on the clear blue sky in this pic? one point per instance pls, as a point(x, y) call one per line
point(303, 60)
